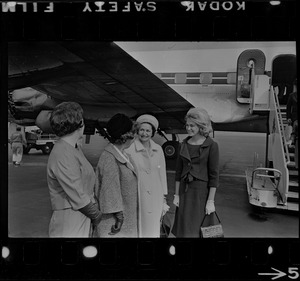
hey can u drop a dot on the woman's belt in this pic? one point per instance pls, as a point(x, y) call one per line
point(187, 179)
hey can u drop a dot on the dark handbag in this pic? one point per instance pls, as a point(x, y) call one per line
point(211, 231)
point(164, 229)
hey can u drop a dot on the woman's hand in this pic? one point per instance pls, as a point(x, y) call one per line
point(166, 208)
point(176, 200)
point(119, 217)
point(210, 207)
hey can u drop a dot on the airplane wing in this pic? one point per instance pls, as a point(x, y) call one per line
point(100, 76)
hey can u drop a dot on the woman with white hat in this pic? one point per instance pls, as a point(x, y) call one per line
point(149, 161)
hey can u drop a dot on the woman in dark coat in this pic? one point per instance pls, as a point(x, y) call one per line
point(197, 175)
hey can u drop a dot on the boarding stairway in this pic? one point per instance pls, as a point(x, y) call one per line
point(275, 186)
point(292, 198)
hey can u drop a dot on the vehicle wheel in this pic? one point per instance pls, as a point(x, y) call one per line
point(170, 149)
point(47, 149)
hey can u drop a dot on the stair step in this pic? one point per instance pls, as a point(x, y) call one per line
point(291, 206)
point(293, 173)
point(292, 156)
point(293, 195)
point(292, 165)
point(293, 186)
point(291, 148)
point(293, 183)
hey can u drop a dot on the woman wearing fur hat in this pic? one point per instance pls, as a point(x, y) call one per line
point(116, 182)
point(149, 160)
point(197, 175)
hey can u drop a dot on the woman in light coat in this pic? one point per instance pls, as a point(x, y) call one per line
point(149, 160)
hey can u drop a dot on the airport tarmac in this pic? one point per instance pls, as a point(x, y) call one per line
point(29, 208)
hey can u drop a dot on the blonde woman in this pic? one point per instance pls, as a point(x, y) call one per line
point(149, 160)
point(197, 175)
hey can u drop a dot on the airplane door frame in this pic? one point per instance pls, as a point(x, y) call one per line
point(284, 72)
point(248, 60)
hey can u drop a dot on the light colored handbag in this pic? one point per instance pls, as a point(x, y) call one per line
point(164, 229)
point(211, 231)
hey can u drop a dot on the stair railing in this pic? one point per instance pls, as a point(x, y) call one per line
point(278, 145)
point(281, 126)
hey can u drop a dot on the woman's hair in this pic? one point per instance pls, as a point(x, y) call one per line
point(66, 118)
point(119, 129)
point(137, 127)
point(201, 118)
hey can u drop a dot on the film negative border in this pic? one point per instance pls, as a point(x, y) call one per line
point(150, 259)
point(91, 259)
point(150, 20)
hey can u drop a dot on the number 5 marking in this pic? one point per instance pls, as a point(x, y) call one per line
point(293, 271)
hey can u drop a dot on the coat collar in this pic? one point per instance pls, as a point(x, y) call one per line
point(139, 146)
point(184, 150)
point(206, 143)
point(111, 149)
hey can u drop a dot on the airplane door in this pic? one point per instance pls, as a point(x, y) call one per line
point(284, 73)
point(248, 61)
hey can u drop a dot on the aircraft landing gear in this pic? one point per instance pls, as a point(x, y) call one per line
point(170, 148)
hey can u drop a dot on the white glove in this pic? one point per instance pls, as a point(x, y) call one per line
point(176, 200)
point(166, 208)
point(210, 207)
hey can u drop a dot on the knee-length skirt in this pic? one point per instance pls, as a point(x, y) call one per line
point(191, 210)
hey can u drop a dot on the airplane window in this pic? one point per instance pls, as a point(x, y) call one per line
point(180, 78)
point(205, 78)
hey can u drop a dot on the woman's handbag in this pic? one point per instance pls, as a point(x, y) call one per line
point(164, 230)
point(211, 231)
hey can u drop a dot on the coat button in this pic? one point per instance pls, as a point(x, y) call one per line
point(189, 164)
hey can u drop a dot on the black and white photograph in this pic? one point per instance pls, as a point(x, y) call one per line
point(246, 91)
point(160, 123)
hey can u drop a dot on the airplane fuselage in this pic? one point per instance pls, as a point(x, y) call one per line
point(204, 73)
